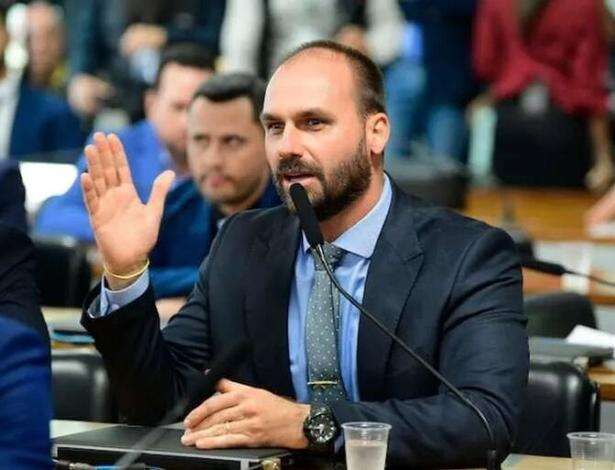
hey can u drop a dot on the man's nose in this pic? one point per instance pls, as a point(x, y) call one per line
point(290, 143)
point(212, 157)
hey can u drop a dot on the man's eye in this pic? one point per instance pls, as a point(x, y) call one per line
point(233, 141)
point(274, 127)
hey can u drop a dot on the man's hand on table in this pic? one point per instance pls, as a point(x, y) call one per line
point(243, 416)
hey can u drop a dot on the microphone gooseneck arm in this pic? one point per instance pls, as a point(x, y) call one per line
point(556, 269)
point(492, 456)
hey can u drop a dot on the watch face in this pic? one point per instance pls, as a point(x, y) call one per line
point(322, 429)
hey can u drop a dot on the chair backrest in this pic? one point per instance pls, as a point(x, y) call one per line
point(560, 398)
point(81, 388)
point(438, 181)
point(556, 314)
point(63, 271)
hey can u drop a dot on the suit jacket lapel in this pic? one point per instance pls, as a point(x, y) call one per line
point(393, 269)
point(269, 279)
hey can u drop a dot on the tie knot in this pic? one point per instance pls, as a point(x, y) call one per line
point(333, 254)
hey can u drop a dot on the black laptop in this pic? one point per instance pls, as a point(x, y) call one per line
point(105, 446)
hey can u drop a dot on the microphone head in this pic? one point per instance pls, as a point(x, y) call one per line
point(307, 216)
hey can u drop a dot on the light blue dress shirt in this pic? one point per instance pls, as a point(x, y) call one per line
point(359, 243)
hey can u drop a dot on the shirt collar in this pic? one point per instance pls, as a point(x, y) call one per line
point(361, 238)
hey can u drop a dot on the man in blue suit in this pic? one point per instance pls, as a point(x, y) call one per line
point(33, 124)
point(226, 156)
point(448, 286)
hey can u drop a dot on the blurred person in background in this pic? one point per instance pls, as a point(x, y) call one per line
point(604, 210)
point(546, 64)
point(430, 84)
point(33, 124)
point(115, 46)
point(153, 145)
point(256, 34)
point(228, 166)
point(47, 68)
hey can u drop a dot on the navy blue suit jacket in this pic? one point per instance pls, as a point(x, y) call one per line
point(43, 124)
point(449, 286)
point(12, 196)
point(25, 398)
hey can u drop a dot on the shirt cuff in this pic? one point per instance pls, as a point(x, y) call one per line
point(112, 300)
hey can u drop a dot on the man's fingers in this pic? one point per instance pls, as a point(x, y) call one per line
point(234, 413)
point(211, 406)
point(106, 159)
point(226, 385)
point(161, 187)
point(232, 434)
point(90, 198)
point(95, 169)
point(121, 161)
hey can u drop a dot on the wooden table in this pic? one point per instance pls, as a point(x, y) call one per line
point(546, 214)
point(513, 462)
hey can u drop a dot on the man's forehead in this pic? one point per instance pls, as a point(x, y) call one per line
point(311, 77)
point(234, 114)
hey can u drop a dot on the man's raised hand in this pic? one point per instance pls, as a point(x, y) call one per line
point(125, 229)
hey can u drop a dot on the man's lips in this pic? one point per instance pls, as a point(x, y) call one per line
point(215, 180)
point(296, 177)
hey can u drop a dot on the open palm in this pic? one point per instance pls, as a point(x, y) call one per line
point(125, 229)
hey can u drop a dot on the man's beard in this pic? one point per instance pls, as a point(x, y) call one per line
point(347, 183)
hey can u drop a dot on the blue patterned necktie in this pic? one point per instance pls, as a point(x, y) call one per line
point(321, 333)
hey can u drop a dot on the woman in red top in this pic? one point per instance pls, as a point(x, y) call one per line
point(546, 64)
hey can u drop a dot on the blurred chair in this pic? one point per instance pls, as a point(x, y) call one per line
point(559, 399)
point(556, 314)
point(440, 181)
point(63, 271)
point(81, 388)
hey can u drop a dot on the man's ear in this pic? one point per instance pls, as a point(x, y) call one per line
point(377, 131)
point(149, 99)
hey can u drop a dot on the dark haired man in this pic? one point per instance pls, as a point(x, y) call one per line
point(227, 162)
point(449, 286)
point(153, 145)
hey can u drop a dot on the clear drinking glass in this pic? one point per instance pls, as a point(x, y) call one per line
point(366, 445)
point(592, 450)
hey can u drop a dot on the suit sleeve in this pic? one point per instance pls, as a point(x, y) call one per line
point(483, 351)
point(18, 291)
point(151, 370)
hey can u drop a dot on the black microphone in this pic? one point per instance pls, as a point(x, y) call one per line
point(307, 216)
point(316, 241)
point(202, 386)
point(556, 269)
